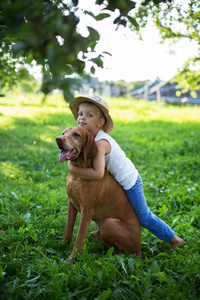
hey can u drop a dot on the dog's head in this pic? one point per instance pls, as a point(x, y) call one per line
point(75, 141)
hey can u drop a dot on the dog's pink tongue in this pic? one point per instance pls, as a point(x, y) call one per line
point(67, 154)
point(63, 156)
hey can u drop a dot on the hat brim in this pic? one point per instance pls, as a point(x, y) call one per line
point(74, 107)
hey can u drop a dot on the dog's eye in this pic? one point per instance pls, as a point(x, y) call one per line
point(76, 134)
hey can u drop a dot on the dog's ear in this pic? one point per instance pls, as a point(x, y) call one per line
point(90, 149)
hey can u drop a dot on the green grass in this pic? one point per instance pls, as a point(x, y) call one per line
point(163, 141)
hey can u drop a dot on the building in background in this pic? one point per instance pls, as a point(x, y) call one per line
point(163, 91)
point(158, 90)
point(91, 85)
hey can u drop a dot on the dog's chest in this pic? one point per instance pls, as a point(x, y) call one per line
point(74, 191)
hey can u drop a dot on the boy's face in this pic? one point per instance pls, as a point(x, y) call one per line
point(89, 117)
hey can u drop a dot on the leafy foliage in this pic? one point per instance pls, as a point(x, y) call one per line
point(12, 73)
point(163, 142)
point(46, 32)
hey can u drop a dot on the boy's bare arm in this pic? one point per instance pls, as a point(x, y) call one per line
point(95, 173)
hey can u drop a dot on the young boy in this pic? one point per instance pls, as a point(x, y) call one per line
point(92, 112)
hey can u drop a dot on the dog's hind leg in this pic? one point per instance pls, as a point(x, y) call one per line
point(121, 235)
point(97, 235)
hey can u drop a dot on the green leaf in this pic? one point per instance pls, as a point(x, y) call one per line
point(1, 271)
point(105, 294)
point(122, 22)
point(110, 252)
point(163, 209)
point(145, 3)
point(134, 277)
point(159, 1)
point(68, 69)
point(94, 35)
point(47, 87)
point(89, 271)
point(99, 2)
point(131, 264)
point(117, 20)
point(90, 14)
point(102, 16)
point(133, 22)
point(108, 53)
point(154, 268)
point(68, 96)
point(15, 196)
point(98, 61)
point(92, 70)
point(175, 220)
point(75, 2)
point(163, 255)
point(121, 260)
point(29, 58)
point(21, 230)
point(79, 66)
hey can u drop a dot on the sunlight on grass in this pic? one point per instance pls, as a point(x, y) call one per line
point(47, 139)
point(10, 170)
point(129, 110)
point(120, 109)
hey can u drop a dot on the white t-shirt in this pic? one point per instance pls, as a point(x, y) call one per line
point(116, 162)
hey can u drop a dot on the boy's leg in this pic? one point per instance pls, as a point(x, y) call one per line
point(146, 218)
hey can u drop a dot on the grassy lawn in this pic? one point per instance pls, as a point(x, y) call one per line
point(164, 143)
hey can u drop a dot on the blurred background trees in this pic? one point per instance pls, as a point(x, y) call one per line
point(44, 33)
point(177, 20)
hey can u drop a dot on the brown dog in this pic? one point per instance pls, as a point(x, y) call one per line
point(103, 201)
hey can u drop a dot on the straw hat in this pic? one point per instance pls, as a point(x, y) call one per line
point(100, 102)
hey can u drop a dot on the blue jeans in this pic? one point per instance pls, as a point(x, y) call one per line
point(146, 218)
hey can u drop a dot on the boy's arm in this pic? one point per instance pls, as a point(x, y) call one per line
point(95, 173)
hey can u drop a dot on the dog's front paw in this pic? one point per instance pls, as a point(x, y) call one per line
point(72, 258)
